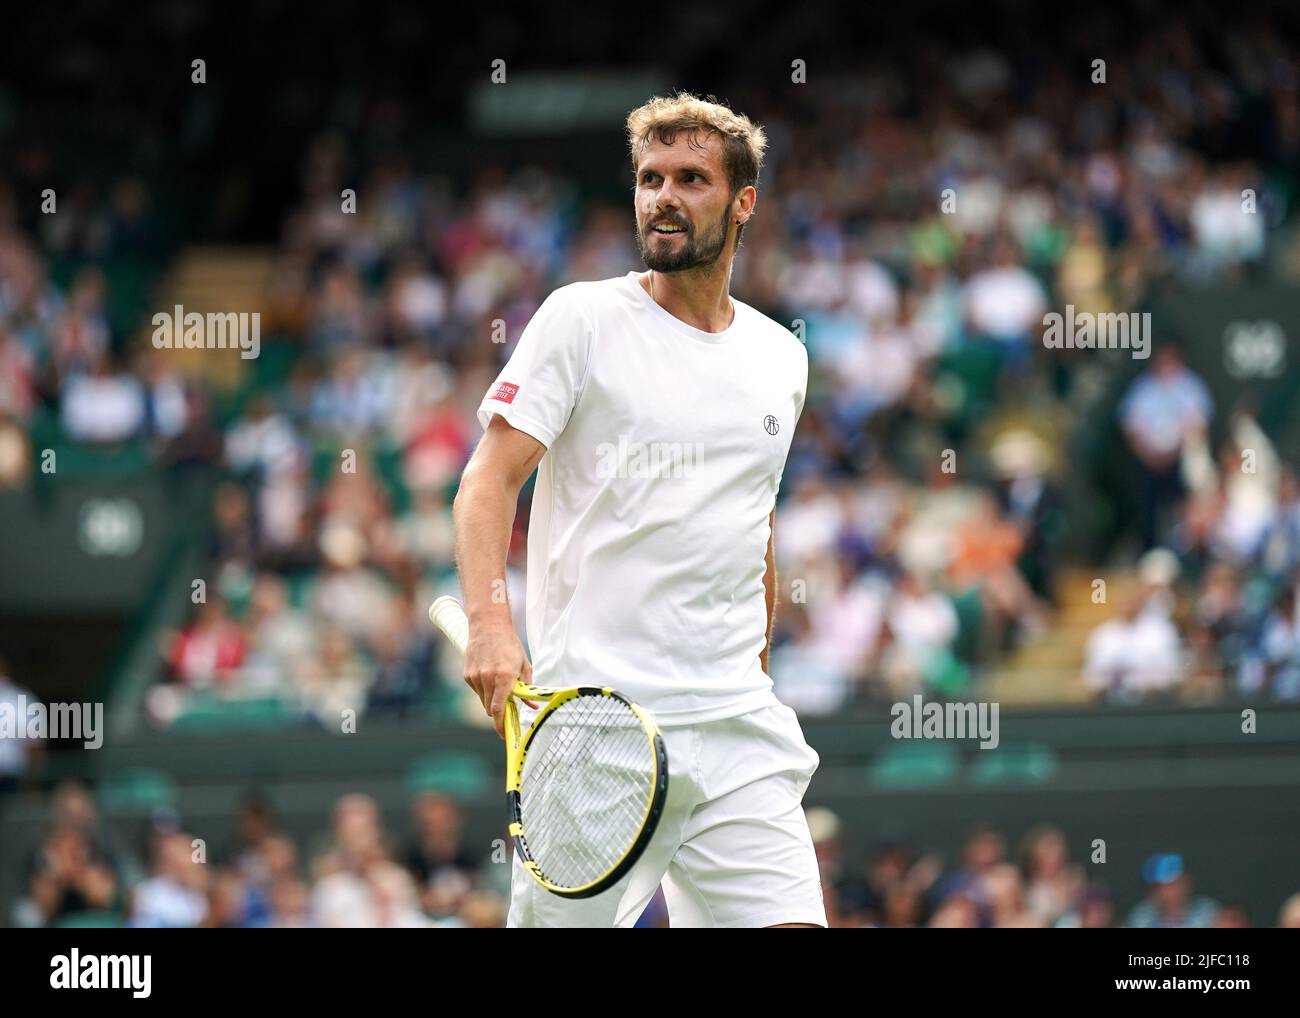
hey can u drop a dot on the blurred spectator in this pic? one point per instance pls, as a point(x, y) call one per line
point(1005, 303)
point(403, 656)
point(74, 870)
point(18, 395)
point(1273, 664)
point(79, 343)
point(986, 550)
point(921, 626)
point(254, 828)
point(167, 404)
point(1031, 503)
point(1005, 893)
point(275, 893)
point(281, 639)
point(957, 912)
point(103, 406)
point(234, 537)
point(290, 904)
point(1280, 546)
point(227, 902)
point(176, 894)
point(1054, 883)
point(984, 850)
point(891, 891)
point(333, 680)
point(358, 885)
point(70, 878)
point(1232, 917)
point(1092, 911)
point(198, 442)
point(210, 650)
point(262, 442)
point(1134, 655)
point(1170, 901)
point(443, 866)
point(15, 454)
point(19, 756)
point(1164, 409)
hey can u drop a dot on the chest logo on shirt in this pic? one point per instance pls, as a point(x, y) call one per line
point(506, 392)
point(771, 425)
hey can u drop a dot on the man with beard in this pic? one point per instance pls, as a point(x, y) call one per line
point(659, 411)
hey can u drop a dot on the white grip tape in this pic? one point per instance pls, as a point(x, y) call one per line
point(447, 614)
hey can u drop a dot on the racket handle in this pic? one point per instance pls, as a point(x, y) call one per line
point(447, 614)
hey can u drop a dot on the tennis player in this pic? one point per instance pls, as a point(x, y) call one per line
point(660, 410)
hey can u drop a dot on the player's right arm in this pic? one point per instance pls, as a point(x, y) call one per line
point(523, 413)
point(484, 514)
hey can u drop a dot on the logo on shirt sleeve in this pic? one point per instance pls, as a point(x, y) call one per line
point(506, 392)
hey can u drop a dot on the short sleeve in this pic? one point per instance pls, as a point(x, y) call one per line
point(538, 388)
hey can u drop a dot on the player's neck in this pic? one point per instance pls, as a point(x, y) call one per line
point(698, 297)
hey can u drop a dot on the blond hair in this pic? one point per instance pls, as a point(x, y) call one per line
point(743, 141)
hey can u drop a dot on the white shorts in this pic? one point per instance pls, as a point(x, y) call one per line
point(732, 848)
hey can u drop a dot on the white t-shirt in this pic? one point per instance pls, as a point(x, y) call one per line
point(649, 526)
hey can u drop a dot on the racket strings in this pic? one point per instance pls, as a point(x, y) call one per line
point(594, 825)
point(588, 779)
point(571, 819)
point(591, 798)
point(558, 836)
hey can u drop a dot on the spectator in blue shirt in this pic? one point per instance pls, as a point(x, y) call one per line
point(1170, 903)
point(1164, 407)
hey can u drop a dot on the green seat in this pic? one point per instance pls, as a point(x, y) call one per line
point(1023, 763)
point(457, 774)
point(915, 764)
point(946, 675)
point(969, 373)
point(970, 619)
point(388, 467)
point(274, 364)
point(137, 790)
point(442, 701)
point(130, 286)
point(211, 714)
point(299, 583)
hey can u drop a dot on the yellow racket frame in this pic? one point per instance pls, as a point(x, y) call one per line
point(517, 752)
point(448, 614)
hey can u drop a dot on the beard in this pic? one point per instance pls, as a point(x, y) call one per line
point(660, 255)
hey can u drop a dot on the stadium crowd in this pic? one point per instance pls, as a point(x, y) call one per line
point(918, 215)
point(914, 231)
point(1216, 610)
point(359, 875)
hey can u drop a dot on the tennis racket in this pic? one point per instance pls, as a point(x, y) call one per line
point(585, 785)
